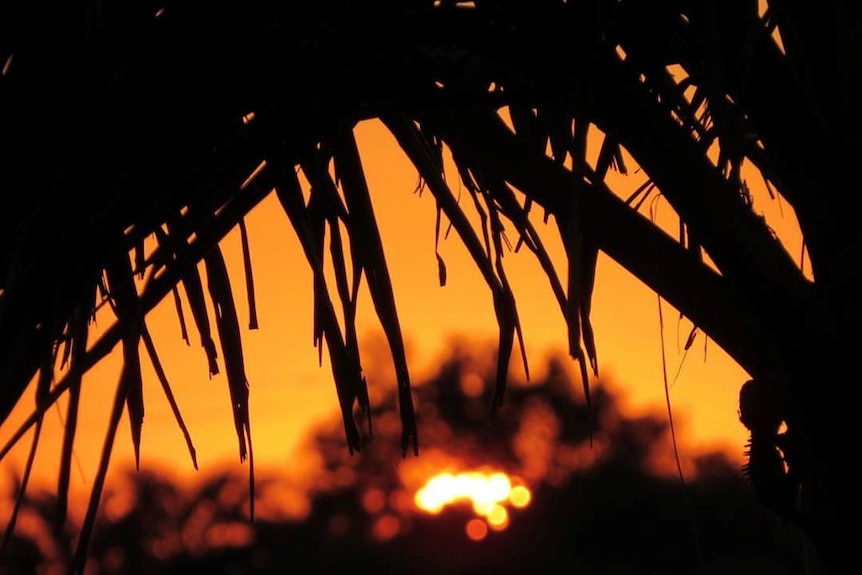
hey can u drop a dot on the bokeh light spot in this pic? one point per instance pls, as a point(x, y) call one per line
point(472, 385)
point(386, 527)
point(498, 517)
point(520, 496)
point(476, 529)
point(373, 501)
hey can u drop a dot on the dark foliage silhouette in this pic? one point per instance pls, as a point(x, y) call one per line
point(128, 152)
point(605, 508)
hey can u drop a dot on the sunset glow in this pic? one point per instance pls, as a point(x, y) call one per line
point(489, 495)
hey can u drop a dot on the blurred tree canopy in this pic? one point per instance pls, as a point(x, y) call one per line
point(617, 506)
point(151, 128)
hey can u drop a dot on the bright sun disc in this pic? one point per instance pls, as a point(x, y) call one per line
point(489, 495)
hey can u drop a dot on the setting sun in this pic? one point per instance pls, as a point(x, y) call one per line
point(488, 494)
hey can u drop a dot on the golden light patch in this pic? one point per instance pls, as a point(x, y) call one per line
point(520, 496)
point(498, 517)
point(489, 494)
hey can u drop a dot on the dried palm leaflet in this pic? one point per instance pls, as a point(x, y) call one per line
point(512, 322)
point(193, 287)
point(181, 317)
point(415, 144)
point(504, 196)
point(162, 240)
point(483, 137)
point(171, 242)
point(124, 300)
point(368, 246)
point(692, 110)
point(641, 193)
point(327, 206)
point(610, 157)
point(184, 256)
point(249, 275)
point(43, 386)
point(420, 152)
point(38, 298)
point(581, 255)
point(745, 250)
point(441, 265)
point(80, 557)
point(169, 394)
point(348, 293)
point(78, 334)
point(556, 122)
point(225, 181)
point(227, 324)
point(345, 372)
point(674, 443)
point(473, 189)
point(313, 165)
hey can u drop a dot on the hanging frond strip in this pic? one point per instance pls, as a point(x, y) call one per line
point(249, 275)
point(79, 330)
point(227, 324)
point(195, 296)
point(367, 244)
point(178, 306)
point(169, 394)
point(80, 557)
point(417, 147)
point(43, 386)
point(327, 209)
point(345, 372)
point(126, 305)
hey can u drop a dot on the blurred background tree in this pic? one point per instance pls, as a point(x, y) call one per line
point(614, 507)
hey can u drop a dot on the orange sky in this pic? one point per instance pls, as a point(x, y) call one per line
point(289, 392)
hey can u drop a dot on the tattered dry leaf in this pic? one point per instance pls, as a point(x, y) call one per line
point(80, 557)
point(178, 306)
point(126, 304)
point(195, 295)
point(369, 248)
point(43, 386)
point(249, 275)
point(169, 394)
point(289, 193)
point(227, 324)
point(79, 331)
point(417, 148)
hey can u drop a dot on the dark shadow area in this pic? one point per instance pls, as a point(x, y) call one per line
point(601, 502)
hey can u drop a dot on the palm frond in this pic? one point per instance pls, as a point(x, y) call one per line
point(345, 366)
point(368, 248)
point(227, 324)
